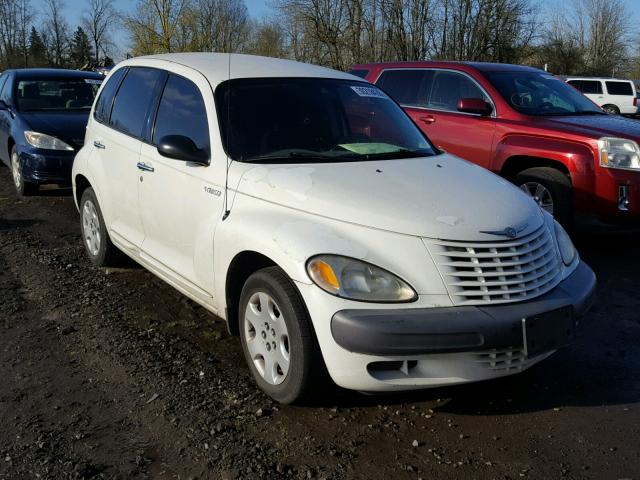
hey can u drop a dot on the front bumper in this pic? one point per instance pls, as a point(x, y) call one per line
point(45, 166)
point(390, 349)
point(456, 329)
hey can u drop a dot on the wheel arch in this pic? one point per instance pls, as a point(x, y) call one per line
point(518, 163)
point(81, 184)
point(242, 266)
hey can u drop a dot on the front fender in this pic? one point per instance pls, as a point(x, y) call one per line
point(290, 237)
point(578, 158)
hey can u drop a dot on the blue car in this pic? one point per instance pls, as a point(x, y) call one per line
point(43, 117)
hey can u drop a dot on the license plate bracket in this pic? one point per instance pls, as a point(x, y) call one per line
point(548, 331)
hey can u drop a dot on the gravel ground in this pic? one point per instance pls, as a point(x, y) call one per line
point(113, 374)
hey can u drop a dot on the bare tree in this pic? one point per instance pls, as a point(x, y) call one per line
point(222, 25)
point(98, 20)
point(154, 25)
point(15, 25)
point(58, 31)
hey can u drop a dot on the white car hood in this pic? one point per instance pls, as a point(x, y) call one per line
point(437, 197)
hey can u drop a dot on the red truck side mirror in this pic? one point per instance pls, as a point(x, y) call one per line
point(475, 105)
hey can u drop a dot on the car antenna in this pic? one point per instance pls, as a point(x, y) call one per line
point(227, 211)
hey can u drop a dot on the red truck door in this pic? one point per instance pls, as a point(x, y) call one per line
point(430, 97)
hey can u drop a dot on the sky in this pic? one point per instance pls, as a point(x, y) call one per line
point(257, 8)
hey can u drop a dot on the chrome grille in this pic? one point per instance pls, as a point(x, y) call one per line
point(479, 273)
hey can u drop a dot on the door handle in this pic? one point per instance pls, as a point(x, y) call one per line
point(98, 144)
point(429, 119)
point(143, 166)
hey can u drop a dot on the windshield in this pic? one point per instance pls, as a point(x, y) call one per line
point(534, 93)
point(313, 120)
point(56, 94)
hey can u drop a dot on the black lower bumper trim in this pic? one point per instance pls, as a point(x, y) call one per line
point(456, 329)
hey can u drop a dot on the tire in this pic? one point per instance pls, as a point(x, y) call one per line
point(558, 186)
point(269, 299)
point(611, 109)
point(95, 237)
point(23, 188)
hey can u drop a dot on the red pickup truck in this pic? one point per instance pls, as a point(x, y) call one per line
point(528, 126)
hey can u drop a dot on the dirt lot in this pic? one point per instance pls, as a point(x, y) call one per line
point(112, 374)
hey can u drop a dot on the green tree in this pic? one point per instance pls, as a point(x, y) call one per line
point(37, 50)
point(80, 51)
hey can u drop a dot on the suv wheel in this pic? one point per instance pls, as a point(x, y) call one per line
point(549, 188)
point(95, 237)
point(23, 188)
point(611, 109)
point(277, 337)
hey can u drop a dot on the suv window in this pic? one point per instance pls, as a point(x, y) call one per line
point(134, 99)
point(182, 112)
point(619, 88)
point(450, 87)
point(407, 87)
point(587, 86)
point(102, 110)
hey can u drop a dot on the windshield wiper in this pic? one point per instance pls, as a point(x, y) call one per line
point(291, 157)
point(404, 153)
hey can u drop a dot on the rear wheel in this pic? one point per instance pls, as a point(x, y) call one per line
point(277, 338)
point(95, 237)
point(23, 188)
point(611, 109)
point(550, 189)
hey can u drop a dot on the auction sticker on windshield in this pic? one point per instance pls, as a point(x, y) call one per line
point(369, 92)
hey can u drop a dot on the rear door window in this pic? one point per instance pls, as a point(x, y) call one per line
point(407, 87)
point(450, 87)
point(587, 86)
point(619, 88)
point(134, 100)
point(182, 112)
point(102, 111)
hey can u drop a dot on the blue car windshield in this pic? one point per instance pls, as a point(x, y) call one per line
point(42, 94)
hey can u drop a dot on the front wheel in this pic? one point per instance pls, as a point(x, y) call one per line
point(611, 109)
point(95, 237)
point(277, 338)
point(550, 189)
point(23, 188)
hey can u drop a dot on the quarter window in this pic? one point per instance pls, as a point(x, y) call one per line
point(133, 101)
point(407, 87)
point(619, 88)
point(587, 86)
point(102, 110)
point(449, 88)
point(5, 93)
point(182, 112)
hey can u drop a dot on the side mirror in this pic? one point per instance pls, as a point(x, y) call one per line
point(477, 106)
point(182, 148)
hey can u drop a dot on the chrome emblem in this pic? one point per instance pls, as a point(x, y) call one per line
point(511, 232)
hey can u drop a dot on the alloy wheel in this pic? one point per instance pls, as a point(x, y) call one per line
point(540, 194)
point(15, 170)
point(267, 338)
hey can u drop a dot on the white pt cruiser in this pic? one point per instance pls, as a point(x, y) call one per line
point(305, 208)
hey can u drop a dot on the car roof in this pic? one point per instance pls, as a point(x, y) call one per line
point(576, 77)
point(217, 66)
point(480, 66)
point(35, 73)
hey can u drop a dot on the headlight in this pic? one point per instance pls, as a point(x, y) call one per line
point(619, 153)
point(565, 245)
point(47, 142)
point(349, 278)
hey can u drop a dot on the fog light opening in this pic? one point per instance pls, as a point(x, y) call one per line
point(624, 202)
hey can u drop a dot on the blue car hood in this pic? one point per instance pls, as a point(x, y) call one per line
point(67, 126)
